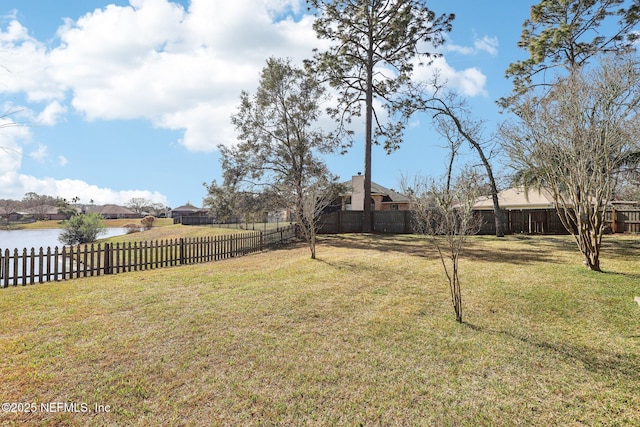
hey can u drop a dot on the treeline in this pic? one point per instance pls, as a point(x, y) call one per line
point(41, 206)
point(38, 205)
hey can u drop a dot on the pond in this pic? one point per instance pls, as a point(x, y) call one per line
point(19, 239)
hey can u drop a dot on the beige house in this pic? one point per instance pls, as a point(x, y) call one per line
point(382, 198)
point(531, 212)
point(518, 198)
point(112, 211)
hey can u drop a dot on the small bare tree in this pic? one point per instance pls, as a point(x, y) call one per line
point(443, 211)
point(317, 197)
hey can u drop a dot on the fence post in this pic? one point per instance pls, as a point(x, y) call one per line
point(182, 254)
point(1, 269)
point(107, 258)
point(40, 264)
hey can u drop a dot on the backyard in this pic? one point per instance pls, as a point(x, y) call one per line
point(364, 335)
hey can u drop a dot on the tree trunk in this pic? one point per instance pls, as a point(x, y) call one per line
point(497, 213)
point(312, 243)
point(590, 252)
point(456, 295)
point(368, 217)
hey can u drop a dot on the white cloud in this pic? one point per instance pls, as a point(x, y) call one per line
point(180, 64)
point(52, 114)
point(154, 60)
point(485, 44)
point(11, 139)
point(464, 50)
point(40, 153)
point(26, 66)
point(70, 188)
point(468, 82)
point(62, 160)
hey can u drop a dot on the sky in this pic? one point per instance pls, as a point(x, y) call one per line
point(106, 100)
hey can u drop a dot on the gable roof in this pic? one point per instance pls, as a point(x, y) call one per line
point(188, 208)
point(110, 210)
point(44, 210)
point(388, 196)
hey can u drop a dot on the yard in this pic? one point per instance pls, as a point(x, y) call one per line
point(363, 335)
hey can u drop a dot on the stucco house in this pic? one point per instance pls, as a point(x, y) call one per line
point(531, 212)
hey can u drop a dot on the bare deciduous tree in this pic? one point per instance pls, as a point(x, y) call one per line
point(444, 211)
point(454, 121)
point(575, 139)
point(317, 197)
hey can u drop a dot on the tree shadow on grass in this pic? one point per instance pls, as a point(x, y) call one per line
point(625, 246)
point(607, 363)
point(403, 243)
point(537, 250)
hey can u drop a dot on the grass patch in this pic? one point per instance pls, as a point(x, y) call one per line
point(365, 335)
point(172, 232)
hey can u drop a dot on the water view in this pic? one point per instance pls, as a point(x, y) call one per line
point(19, 239)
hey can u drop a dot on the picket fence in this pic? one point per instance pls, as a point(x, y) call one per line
point(70, 262)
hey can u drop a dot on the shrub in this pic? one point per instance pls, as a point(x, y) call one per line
point(147, 221)
point(82, 228)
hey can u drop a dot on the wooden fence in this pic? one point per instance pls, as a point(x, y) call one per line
point(529, 221)
point(623, 220)
point(382, 222)
point(69, 262)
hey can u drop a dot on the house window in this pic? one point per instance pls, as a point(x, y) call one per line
point(394, 206)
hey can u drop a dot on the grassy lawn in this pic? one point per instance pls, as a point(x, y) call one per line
point(172, 232)
point(365, 335)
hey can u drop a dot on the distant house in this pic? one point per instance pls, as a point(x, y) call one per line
point(188, 210)
point(8, 214)
point(47, 212)
point(191, 215)
point(112, 211)
point(382, 198)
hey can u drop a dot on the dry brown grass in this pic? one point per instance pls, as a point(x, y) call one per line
point(172, 232)
point(363, 335)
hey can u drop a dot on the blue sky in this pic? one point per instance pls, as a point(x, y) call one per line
point(117, 99)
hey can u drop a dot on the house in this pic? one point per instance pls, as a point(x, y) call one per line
point(391, 211)
point(112, 211)
point(8, 214)
point(188, 210)
point(532, 211)
point(191, 215)
point(47, 212)
point(382, 199)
